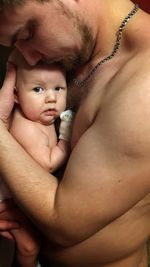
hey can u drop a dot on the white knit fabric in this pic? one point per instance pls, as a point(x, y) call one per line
point(65, 129)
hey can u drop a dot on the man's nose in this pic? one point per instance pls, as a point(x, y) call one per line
point(30, 54)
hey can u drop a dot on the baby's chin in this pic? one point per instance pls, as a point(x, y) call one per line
point(47, 122)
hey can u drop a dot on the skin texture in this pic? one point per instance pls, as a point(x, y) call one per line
point(103, 199)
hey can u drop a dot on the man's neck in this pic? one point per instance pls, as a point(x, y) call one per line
point(108, 42)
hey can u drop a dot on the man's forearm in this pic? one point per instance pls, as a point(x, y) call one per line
point(34, 190)
point(32, 187)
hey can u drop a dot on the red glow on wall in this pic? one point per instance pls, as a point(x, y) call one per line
point(144, 4)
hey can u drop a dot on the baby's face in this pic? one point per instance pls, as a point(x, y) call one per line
point(41, 93)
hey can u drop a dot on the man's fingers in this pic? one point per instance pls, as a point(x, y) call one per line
point(10, 79)
point(8, 225)
point(16, 58)
point(7, 235)
point(7, 95)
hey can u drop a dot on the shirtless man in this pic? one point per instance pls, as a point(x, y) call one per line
point(98, 215)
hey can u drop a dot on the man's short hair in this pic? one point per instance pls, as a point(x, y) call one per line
point(11, 3)
point(14, 3)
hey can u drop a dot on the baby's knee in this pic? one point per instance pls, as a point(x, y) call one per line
point(29, 249)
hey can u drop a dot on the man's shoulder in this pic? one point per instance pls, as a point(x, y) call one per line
point(137, 74)
point(127, 108)
point(133, 78)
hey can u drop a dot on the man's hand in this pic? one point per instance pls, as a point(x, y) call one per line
point(7, 94)
point(7, 221)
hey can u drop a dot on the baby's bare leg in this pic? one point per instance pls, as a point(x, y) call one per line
point(27, 246)
point(26, 237)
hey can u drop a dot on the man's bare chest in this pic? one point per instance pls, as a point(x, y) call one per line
point(85, 116)
point(88, 100)
point(88, 103)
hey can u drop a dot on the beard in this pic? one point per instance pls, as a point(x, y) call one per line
point(82, 57)
point(71, 62)
point(87, 44)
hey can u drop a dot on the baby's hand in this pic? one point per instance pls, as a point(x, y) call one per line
point(65, 129)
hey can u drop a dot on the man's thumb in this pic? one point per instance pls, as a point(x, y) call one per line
point(10, 79)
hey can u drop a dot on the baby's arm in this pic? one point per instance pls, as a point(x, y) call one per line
point(60, 153)
point(37, 144)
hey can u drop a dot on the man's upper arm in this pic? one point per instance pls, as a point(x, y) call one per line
point(108, 171)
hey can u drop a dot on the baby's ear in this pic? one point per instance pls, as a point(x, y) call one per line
point(16, 95)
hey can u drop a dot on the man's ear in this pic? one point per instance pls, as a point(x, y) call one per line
point(16, 95)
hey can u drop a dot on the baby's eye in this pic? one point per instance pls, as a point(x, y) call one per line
point(38, 89)
point(58, 88)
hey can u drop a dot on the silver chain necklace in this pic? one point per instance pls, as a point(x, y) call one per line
point(115, 48)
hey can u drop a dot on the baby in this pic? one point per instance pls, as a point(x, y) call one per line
point(40, 97)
